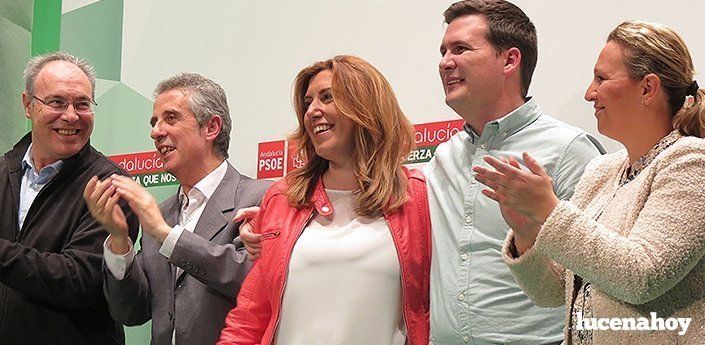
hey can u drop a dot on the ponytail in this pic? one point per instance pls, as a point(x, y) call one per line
point(690, 120)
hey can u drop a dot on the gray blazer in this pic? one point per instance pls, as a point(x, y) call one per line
point(213, 263)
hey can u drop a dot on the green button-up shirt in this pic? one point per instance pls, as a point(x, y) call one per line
point(474, 298)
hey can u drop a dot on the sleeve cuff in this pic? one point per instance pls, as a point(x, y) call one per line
point(118, 264)
point(510, 257)
point(170, 241)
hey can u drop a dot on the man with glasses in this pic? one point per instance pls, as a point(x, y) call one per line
point(60, 105)
point(50, 246)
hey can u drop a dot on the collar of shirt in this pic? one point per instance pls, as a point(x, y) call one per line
point(633, 170)
point(45, 175)
point(498, 130)
point(203, 190)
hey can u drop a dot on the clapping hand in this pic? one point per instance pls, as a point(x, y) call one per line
point(526, 198)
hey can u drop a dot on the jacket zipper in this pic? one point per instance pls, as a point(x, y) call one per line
point(286, 275)
point(269, 235)
point(401, 287)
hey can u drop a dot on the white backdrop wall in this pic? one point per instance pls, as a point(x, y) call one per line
point(255, 48)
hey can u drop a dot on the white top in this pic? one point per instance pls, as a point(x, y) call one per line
point(192, 206)
point(344, 283)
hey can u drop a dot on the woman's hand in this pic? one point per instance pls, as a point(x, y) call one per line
point(524, 228)
point(526, 199)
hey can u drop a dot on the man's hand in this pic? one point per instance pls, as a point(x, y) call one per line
point(144, 205)
point(248, 236)
point(102, 200)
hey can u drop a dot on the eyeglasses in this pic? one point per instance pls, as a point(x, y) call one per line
point(60, 105)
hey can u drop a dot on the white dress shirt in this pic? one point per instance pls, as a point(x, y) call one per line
point(33, 182)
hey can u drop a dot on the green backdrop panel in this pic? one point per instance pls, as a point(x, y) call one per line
point(46, 26)
point(19, 12)
point(15, 23)
point(103, 85)
point(94, 32)
point(139, 335)
point(122, 121)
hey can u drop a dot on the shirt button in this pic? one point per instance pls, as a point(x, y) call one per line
point(468, 219)
point(325, 209)
point(464, 256)
point(484, 146)
point(461, 297)
point(505, 134)
point(466, 339)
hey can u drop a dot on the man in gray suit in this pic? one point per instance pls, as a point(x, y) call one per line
point(191, 263)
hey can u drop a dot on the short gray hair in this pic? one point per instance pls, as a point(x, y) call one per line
point(35, 65)
point(206, 99)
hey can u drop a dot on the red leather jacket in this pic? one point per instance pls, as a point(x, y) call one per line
point(255, 318)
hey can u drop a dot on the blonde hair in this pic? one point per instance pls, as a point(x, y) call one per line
point(655, 48)
point(382, 136)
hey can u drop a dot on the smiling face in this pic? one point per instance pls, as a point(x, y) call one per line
point(58, 135)
point(616, 97)
point(330, 131)
point(179, 139)
point(470, 68)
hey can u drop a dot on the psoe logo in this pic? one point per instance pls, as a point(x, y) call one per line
point(653, 323)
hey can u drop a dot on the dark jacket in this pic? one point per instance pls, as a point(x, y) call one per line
point(50, 271)
point(255, 318)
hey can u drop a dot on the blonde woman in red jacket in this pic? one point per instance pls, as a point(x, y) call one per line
point(346, 238)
